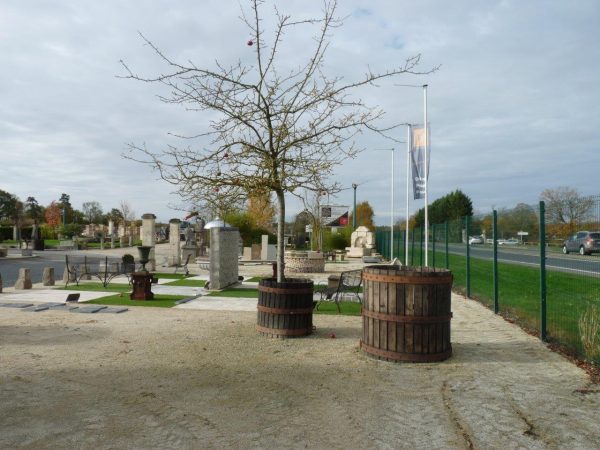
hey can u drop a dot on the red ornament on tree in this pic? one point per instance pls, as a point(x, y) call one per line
point(226, 155)
point(250, 43)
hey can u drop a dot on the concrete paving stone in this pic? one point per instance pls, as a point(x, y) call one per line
point(88, 309)
point(113, 310)
point(17, 305)
point(37, 308)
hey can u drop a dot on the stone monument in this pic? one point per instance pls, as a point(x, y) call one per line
point(149, 237)
point(362, 243)
point(224, 242)
point(268, 252)
point(189, 247)
point(174, 258)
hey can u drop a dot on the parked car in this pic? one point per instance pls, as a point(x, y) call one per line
point(475, 240)
point(511, 241)
point(584, 242)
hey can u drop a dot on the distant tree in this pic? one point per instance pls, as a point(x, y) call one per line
point(92, 211)
point(53, 214)
point(33, 210)
point(9, 206)
point(520, 218)
point(115, 215)
point(261, 209)
point(564, 205)
point(64, 203)
point(127, 213)
point(364, 215)
point(449, 207)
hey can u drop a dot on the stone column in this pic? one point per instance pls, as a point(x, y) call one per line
point(174, 243)
point(224, 251)
point(48, 276)
point(24, 280)
point(149, 237)
point(111, 228)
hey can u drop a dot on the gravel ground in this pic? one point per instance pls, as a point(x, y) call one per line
point(156, 378)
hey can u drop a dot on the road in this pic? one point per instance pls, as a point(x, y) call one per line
point(586, 265)
point(9, 267)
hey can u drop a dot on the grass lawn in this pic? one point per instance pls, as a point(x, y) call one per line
point(159, 301)
point(121, 296)
point(347, 308)
point(190, 283)
point(568, 295)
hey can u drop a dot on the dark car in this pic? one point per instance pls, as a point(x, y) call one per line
point(584, 242)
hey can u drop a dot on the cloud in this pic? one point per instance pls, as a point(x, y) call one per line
point(513, 109)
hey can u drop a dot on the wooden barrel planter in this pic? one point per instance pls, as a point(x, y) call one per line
point(406, 313)
point(285, 309)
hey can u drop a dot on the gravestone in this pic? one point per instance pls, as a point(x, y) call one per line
point(149, 238)
point(24, 280)
point(224, 249)
point(268, 252)
point(48, 276)
point(174, 258)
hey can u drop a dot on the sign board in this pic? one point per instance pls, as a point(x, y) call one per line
point(334, 215)
point(522, 233)
point(308, 228)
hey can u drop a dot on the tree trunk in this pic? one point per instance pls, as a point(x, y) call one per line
point(280, 235)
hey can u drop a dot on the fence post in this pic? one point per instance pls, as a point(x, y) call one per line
point(421, 247)
point(447, 258)
point(412, 248)
point(467, 226)
point(433, 245)
point(495, 244)
point(543, 334)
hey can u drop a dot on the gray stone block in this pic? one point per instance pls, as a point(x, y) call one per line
point(24, 280)
point(48, 276)
point(113, 310)
point(37, 308)
point(17, 305)
point(88, 309)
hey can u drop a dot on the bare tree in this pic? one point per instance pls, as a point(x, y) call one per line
point(277, 129)
point(564, 205)
point(92, 211)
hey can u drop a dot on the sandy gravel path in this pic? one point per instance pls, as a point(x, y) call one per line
point(156, 378)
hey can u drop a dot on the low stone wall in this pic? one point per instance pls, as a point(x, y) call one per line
point(304, 262)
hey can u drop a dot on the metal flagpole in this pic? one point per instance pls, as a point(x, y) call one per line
point(408, 126)
point(426, 173)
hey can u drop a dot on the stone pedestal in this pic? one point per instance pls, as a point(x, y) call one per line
point(362, 243)
point(142, 284)
point(24, 280)
point(149, 237)
point(48, 276)
point(191, 250)
point(174, 258)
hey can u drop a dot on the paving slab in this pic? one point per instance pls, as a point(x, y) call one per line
point(35, 308)
point(16, 305)
point(50, 296)
point(113, 310)
point(208, 303)
point(88, 309)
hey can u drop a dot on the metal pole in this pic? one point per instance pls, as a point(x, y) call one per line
point(543, 330)
point(433, 245)
point(408, 144)
point(426, 169)
point(354, 186)
point(467, 226)
point(447, 258)
point(495, 238)
point(392, 213)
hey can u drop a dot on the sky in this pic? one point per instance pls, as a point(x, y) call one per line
point(514, 107)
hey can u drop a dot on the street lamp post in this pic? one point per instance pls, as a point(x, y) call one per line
point(354, 186)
